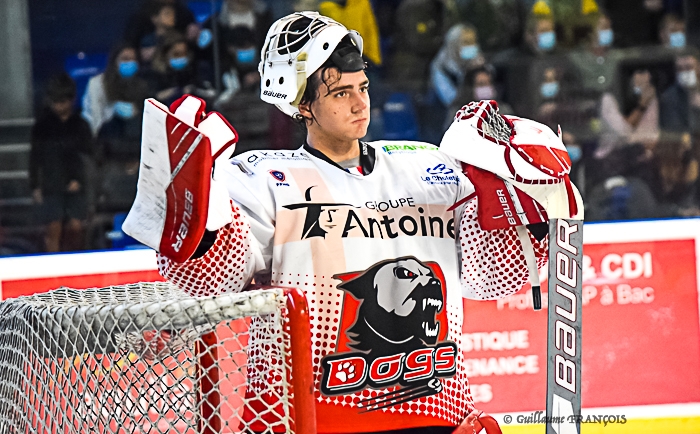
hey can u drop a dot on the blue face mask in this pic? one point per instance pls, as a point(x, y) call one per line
point(468, 52)
point(677, 40)
point(574, 152)
point(204, 39)
point(246, 56)
point(129, 68)
point(124, 110)
point(179, 63)
point(546, 41)
point(549, 90)
point(605, 37)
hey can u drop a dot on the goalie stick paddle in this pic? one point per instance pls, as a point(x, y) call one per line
point(564, 327)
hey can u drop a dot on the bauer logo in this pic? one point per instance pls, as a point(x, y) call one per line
point(274, 94)
point(393, 332)
point(564, 348)
point(184, 227)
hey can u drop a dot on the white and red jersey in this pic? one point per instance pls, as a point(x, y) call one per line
point(384, 263)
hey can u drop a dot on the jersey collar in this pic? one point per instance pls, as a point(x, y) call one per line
point(367, 157)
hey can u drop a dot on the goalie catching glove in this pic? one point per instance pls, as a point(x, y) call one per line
point(519, 168)
point(520, 171)
point(177, 199)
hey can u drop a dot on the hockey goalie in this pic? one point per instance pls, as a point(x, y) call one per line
point(384, 238)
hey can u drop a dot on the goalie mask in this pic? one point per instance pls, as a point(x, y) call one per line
point(295, 47)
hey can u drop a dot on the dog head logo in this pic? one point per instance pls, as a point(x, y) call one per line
point(400, 308)
point(320, 218)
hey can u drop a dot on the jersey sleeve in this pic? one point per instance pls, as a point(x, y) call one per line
point(492, 262)
point(242, 249)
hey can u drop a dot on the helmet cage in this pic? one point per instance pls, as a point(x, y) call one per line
point(290, 55)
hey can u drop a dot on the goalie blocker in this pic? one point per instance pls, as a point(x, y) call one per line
point(177, 199)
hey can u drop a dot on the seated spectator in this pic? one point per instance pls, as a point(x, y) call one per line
point(478, 86)
point(119, 151)
point(253, 14)
point(635, 22)
point(634, 120)
point(157, 17)
point(522, 67)
point(458, 55)
point(621, 198)
point(172, 72)
point(240, 65)
point(60, 140)
point(162, 17)
point(420, 28)
point(597, 64)
point(676, 176)
point(500, 24)
point(680, 103)
point(672, 32)
point(118, 91)
point(540, 36)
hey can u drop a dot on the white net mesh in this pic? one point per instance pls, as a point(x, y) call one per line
point(490, 124)
point(145, 358)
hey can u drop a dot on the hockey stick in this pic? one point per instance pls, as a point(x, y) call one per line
point(564, 327)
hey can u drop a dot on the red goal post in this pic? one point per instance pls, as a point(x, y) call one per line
point(149, 358)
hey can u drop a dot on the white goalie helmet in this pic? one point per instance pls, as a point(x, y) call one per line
point(295, 47)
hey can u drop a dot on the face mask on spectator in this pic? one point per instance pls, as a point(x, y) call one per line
point(204, 39)
point(637, 90)
point(484, 92)
point(677, 40)
point(605, 37)
point(124, 110)
point(468, 52)
point(546, 41)
point(549, 90)
point(574, 152)
point(129, 68)
point(246, 56)
point(179, 63)
point(687, 78)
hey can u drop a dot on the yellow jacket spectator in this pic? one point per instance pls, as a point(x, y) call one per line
point(357, 15)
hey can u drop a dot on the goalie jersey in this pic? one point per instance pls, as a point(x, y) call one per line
point(384, 262)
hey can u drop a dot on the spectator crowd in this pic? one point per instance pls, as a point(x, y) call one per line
point(618, 76)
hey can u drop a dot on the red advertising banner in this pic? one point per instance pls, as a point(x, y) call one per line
point(641, 334)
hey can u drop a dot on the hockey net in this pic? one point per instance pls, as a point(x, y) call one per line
point(147, 358)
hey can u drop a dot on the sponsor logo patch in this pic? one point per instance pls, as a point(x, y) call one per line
point(280, 177)
point(397, 149)
point(440, 175)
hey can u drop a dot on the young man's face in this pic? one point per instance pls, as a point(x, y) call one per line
point(341, 111)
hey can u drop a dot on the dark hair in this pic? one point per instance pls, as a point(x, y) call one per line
point(165, 44)
point(313, 89)
point(153, 8)
point(118, 88)
point(485, 69)
point(61, 87)
point(313, 84)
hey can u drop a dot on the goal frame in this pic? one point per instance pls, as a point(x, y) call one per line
point(303, 385)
